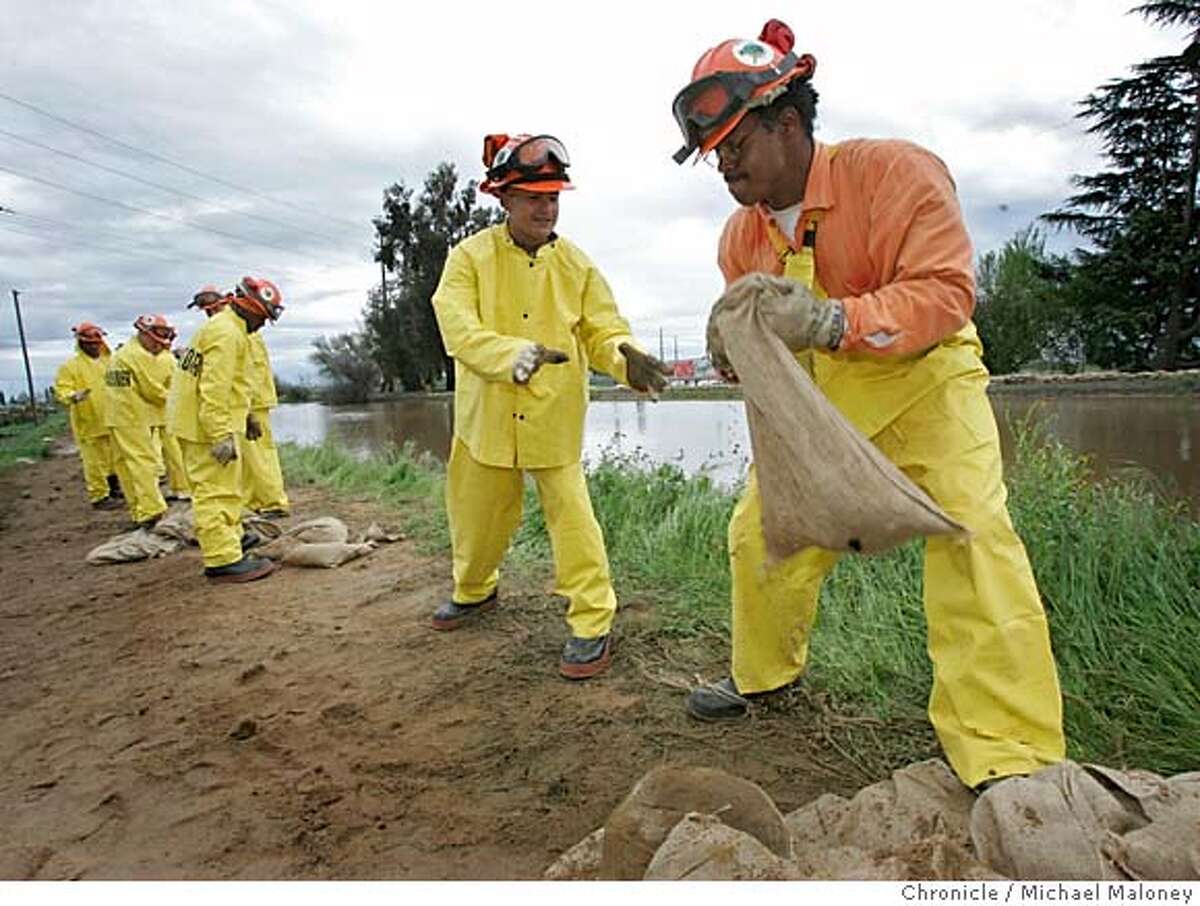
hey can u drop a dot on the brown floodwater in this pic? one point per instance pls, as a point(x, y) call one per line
point(1157, 435)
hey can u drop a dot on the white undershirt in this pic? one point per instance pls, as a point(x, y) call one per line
point(787, 218)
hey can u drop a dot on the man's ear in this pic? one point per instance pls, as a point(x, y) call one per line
point(789, 119)
point(503, 196)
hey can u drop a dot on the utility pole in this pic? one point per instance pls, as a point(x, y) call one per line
point(25, 354)
point(676, 349)
point(662, 355)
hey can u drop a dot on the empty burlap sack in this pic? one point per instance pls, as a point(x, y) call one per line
point(1085, 822)
point(703, 848)
point(179, 523)
point(821, 482)
point(141, 544)
point(327, 554)
point(376, 532)
point(639, 825)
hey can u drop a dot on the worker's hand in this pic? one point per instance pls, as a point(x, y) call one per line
point(224, 451)
point(80, 395)
point(253, 429)
point(800, 319)
point(645, 373)
point(716, 347)
point(533, 357)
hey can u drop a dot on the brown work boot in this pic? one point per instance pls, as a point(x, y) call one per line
point(245, 570)
point(585, 658)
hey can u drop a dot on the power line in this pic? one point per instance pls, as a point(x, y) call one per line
point(156, 185)
point(166, 160)
point(137, 210)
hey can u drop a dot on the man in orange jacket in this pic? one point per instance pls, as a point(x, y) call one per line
point(880, 316)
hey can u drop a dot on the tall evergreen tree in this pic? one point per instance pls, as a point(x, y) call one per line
point(1137, 289)
point(415, 237)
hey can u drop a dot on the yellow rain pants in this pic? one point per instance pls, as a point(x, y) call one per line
point(170, 460)
point(95, 454)
point(995, 704)
point(82, 372)
point(137, 390)
point(262, 478)
point(216, 502)
point(484, 508)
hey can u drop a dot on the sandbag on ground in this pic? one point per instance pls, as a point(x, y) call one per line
point(822, 483)
point(327, 555)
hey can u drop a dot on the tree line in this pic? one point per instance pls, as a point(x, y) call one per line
point(1127, 300)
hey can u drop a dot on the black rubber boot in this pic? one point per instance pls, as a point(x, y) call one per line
point(585, 658)
point(245, 570)
point(107, 503)
point(717, 701)
point(452, 615)
point(249, 540)
point(114, 488)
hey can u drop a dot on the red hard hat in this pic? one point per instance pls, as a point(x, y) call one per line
point(208, 298)
point(88, 333)
point(259, 296)
point(534, 163)
point(733, 78)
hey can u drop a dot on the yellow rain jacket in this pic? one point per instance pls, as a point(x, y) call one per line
point(262, 381)
point(210, 391)
point(137, 381)
point(494, 299)
point(81, 372)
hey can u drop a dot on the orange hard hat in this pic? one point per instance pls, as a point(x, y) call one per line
point(534, 163)
point(258, 296)
point(156, 329)
point(733, 78)
point(88, 333)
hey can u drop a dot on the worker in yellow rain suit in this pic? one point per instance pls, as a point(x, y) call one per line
point(262, 478)
point(512, 299)
point(873, 236)
point(167, 455)
point(137, 390)
point(79, 388)
point(207, 411)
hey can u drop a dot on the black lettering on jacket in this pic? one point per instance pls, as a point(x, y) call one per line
point(118, 377)
point(192, 362)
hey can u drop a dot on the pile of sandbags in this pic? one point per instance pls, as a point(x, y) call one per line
point(1069, 821)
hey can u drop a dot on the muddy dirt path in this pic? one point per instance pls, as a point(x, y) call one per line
point(370, 745)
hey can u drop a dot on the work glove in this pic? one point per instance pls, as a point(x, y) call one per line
point(253, 429)
point(80, 395)
point(792, 312)
point(645, 373)
point(224, 451)
point(533, 357)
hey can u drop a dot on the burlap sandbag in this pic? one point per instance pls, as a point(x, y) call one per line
point(141, 544)
point(1085, 822)
point(321, 530)
point(703, 848)
point(326, 555)
point(822, 483)
point(639, 825)
point(581, 862)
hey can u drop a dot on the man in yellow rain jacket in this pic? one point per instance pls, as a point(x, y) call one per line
point(524, 313)
point(79, 388)
point(137, 391)
point(873, 236)
point(167, 455)
point(262, 478)
point(207, 412)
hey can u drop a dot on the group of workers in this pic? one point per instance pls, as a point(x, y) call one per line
point(194, 419)
point(880, 317)
point(872, 234)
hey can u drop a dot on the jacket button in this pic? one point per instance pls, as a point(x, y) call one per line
point(531, 264)
point(525, 315)
point(521, 417)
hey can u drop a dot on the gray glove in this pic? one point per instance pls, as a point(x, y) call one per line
point(80, 395)
point(645, 373)
point(253, 429)
point(802, 320)
point(224, 451)
point(533, 357)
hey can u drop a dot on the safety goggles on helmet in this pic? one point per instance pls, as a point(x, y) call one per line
point(529, 158)
point(88, 334)
point(157, 329)
point(207, 298)
point(261, 297)
point(708, 103)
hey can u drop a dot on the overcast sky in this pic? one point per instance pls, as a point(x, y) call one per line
point(260, 136)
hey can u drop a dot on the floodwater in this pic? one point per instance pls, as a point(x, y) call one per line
point(1155, 434)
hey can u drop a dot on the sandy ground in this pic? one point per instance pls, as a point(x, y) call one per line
point(312, 725)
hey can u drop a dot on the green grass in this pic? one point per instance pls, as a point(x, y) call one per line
point(1118, 568)
point(25, 440)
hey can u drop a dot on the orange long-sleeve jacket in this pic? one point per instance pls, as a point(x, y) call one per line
point(890, 244)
